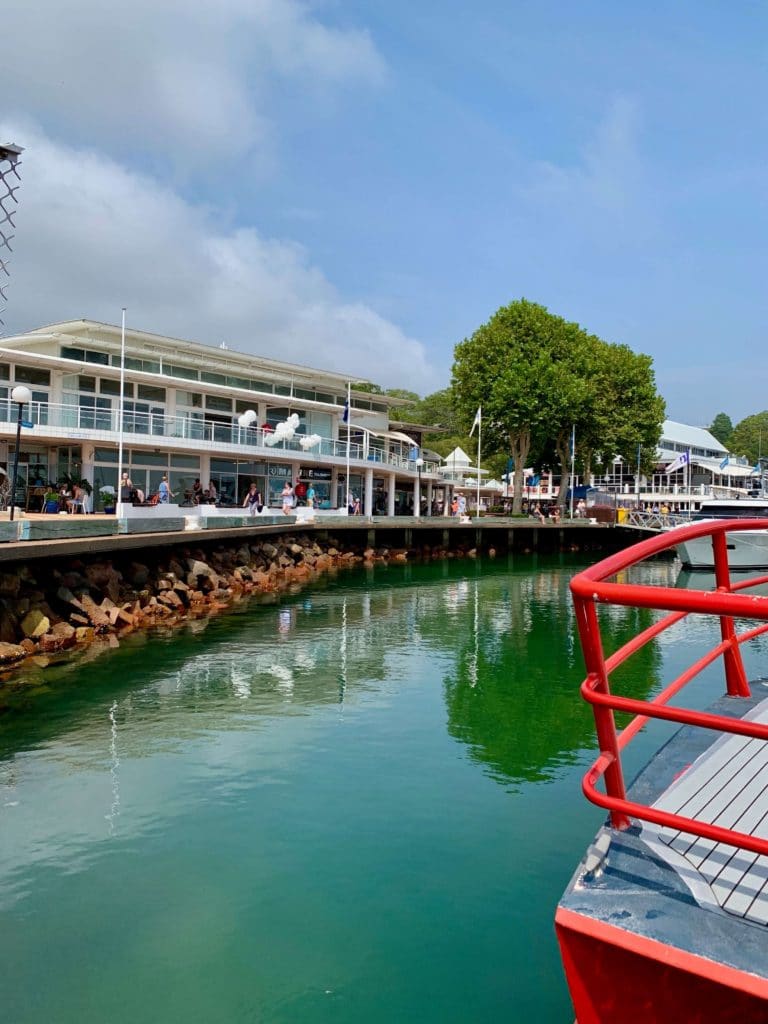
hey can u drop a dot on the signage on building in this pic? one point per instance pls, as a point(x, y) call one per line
point(314, 473)
point(278, 469)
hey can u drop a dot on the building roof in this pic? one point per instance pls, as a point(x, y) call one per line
point(690, 437)
point(108, 336)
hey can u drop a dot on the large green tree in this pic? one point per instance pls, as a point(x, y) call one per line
point(537, 376)
point(750, 437)
point(722, 428)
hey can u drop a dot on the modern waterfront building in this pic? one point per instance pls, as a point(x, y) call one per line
point(183, 410)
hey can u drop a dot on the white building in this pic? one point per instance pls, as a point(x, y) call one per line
point(181, 406)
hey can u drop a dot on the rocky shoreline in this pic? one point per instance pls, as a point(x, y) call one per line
point(54, 608)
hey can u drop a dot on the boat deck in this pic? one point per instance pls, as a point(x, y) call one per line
point(728, 786)
point(690, 894)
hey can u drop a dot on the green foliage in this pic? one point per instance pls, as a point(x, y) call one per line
point(722, 428)
point(537, 375)
point(750, 437)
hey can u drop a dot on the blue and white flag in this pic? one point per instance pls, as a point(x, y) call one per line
point(725, 462)
point(477, 420)
point(682, 460)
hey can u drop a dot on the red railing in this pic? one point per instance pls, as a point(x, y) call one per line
point(594, 586)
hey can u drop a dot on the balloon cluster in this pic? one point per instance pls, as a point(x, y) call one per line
point(284, 431)
point(247, 418)
point(310, 441)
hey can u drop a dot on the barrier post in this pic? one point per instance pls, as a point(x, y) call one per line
point(605, 724)
point(735, 676)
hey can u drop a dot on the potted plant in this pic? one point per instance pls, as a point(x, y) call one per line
point(107, 495)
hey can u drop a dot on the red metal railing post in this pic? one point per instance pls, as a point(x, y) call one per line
point(605, 724)
point(735, 676)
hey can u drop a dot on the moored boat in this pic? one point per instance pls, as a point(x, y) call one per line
point(746, 549)
point(665, 918)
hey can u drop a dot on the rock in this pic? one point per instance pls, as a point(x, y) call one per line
point(9, 622)
point(10, 653)
point(269, 550)
point(95, 614)
point(63, 629)
point(35, 624)
point(50, 643)
point(84, 634)
point(9, 584)
point(29, 645)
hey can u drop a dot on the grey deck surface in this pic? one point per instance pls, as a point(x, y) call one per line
point(727, 786)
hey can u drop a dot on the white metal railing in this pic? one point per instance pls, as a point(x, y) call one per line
point(187, 428)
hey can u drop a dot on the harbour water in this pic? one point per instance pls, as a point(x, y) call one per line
point(359, 803)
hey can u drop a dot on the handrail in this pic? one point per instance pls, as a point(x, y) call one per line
point(595, 586)
point(186, 427)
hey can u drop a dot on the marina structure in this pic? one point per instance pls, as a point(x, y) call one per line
point(194, 412)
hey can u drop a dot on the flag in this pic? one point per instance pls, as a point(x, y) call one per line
point(682, 460)
point(725, 462)
point(345, 414)
point(476, 421)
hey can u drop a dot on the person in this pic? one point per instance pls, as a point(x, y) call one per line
point(350, 504)
point(356, 510)
point(253, 500)
point(127, 491)
point(164, 491)
point(310, 496)
point(212, 493)
point(197, 491)
point(554, 514)
point(86, 497)
point(455, 506)
point(75, 502)
point(581, 508)
point(287, 496)
point(462, 505)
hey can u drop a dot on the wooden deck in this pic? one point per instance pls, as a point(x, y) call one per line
point(728, 786)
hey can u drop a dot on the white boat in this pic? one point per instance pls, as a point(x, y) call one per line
point(747, 549)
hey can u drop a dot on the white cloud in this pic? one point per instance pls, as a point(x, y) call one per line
point(185, 78)
point(93, 236)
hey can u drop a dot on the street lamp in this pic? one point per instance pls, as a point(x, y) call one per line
point(419, 464)
point(21, 395)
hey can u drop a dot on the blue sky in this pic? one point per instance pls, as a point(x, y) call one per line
point(359, 186)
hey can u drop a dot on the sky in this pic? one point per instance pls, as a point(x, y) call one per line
point(359, 186)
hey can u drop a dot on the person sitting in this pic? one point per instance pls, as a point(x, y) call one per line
point(212, 493)
point(197, 491)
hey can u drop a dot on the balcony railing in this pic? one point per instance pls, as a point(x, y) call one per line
point(187, 428)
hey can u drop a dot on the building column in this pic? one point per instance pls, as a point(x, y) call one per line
point(429, 497)
point(447, 499)
point(416, 497)
point(391, 494)
point(205, 469)
point(368, 493)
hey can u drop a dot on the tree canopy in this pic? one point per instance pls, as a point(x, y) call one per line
point(750, 437)
point(722, 428)
point(536, 376)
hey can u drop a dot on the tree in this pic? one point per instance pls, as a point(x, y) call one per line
point(722, 428)
point(537, 376)
point(750, 437)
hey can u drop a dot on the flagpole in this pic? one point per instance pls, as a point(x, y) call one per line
point(121, 403)
point(573, 464)
point(349, 433)
point(479, 436)
point(637, 480)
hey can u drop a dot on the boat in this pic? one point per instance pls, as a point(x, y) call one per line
point(747, 549)
point(665, 918)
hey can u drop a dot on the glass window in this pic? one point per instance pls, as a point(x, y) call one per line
point(5, 371)
point(67, 352)
point(70, 381)
point(185, 461)
point(303, 393)
point(189, 398)
point(112, 387)
point(150, 393)
point(223, 465)
point(140, 458)
point(181, 371)
point(212, 378)
point(320, 396)
point(105, 455)
point(218, 403)
point(262, 385)
point(32, 375)
point(97, 357)
point(243, 405)
point(147, 365)
point(86, 384)
point(282, 389)
point(238, 382)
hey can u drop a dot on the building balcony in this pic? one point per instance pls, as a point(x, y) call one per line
point(59, 424)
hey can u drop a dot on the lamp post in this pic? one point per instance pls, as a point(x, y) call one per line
point(21, 395)
point(419, 464)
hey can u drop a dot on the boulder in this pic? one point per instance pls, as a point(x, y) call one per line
point(35, 624)
point(11, 653)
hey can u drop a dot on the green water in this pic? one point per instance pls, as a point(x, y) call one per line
point(357, 804)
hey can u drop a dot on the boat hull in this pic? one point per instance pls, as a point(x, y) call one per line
point(746, 550)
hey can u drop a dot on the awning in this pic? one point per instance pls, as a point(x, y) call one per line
point(389, 435)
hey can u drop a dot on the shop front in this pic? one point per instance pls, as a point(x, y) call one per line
point(320, 480)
